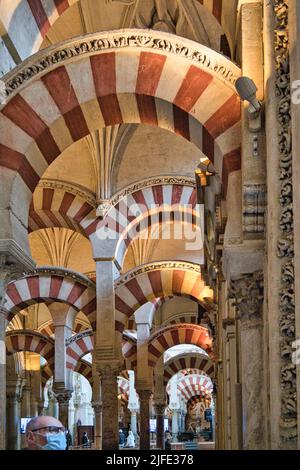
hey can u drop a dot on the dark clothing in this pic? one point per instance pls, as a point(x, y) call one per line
point(85, 441)
point(69, 440)
point(122, 438)
point(167, 444)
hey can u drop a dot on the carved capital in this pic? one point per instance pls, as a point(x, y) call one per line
point(97, 406)
point(63, 396)
point(160, 408)
point(109, 372)
point(8, 272)
point(144, 395)
point(248, 294)
point(254, 208)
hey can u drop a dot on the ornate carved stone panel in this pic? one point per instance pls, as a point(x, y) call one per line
point(288, 420)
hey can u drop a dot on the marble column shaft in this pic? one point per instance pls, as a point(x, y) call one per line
point(109, 393)
point(249, 291)
point(174, 425)
point(160, 414)
point(63, 399)
point(14, 395)
point(98, 425)
point(144, 396)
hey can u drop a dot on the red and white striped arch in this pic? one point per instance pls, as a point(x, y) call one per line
point(188, 361)
point(122, 220)
point(38, 16)
point(78, 346)
point(42, 287)
point(31, 341)
point(48, 329)
point(191, 385)
point(129, 350)
point(55, 207)
point(83, 368)
point(173, 335)
point(194, 385)
point(152, 281)
point(128, 85)
point(83, 343)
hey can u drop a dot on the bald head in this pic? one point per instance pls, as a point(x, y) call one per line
point(41, 422)
point(37, 429)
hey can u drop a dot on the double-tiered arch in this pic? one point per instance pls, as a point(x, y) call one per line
point(132, 76)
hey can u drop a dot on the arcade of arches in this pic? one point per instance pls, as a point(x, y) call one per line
point(147, 282)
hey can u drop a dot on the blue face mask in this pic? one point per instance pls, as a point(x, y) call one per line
point(55, 441)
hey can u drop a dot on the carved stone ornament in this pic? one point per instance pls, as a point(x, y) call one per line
point(103, 208)
point(158, 265)
point(46, 60)
point(64, 272)
point(149, 182)
point(254, 208)
point(83, 334)
point(8, 273)
point(248, 293)
point(285, 247)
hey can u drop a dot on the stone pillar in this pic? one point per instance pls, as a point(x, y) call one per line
point(160, 414)
point(14, 394)
point(63, 398)
point(133, 423)
point(230, 383)
point(109, 392)
point(174, 425)
point(26, 396)
point(97, 406)
point(183, 416)
point(3, 323)
point(144, 396)
point(248, 291)
point(105, 337)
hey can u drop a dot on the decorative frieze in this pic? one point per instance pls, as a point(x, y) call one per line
point(114, 40)
point(247, 291)
point(149, 182)
point(288, 419)
point(158, 265)
point(64, 272)
point(254, 208)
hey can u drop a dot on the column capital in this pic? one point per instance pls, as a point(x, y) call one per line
point(144, 394)
point(63, 396)
point(109, 370)
point(97, 406)
point(248, 293)
point(160, 408)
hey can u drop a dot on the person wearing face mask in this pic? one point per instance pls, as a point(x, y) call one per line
point(45, 433)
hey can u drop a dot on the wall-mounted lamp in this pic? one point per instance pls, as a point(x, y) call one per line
point(247, 89)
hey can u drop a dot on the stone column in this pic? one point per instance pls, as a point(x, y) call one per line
point(109, 392)
point(160, 414)
point(63, 398)
point(105, 337)
point(174, 425)
point(133, 423)
point(183, 415)
point(26, 408)
point(144, 396)
point(97, 406)
point(14, 394)
point(248, 291)
point(3, 323)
